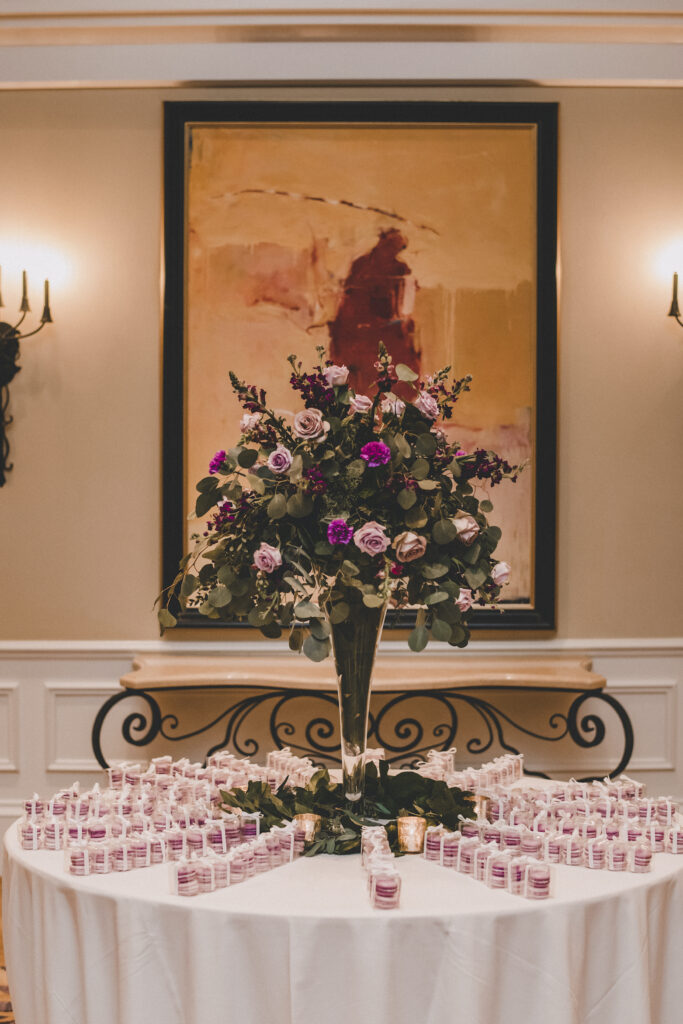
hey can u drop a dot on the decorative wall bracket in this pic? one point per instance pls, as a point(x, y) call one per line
point(392, 726)
point(10, 337)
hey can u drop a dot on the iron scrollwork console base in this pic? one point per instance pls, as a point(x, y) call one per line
point(402, 735)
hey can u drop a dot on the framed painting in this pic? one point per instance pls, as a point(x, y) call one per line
point(431, 226)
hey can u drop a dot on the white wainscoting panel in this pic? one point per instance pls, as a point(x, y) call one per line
point(50, 694)
point(9, 727)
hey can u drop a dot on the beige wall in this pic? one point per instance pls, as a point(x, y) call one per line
point(80, 515)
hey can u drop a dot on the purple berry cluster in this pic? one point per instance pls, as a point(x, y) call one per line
point(315, 390)
point(488, 466)
point(316, 482)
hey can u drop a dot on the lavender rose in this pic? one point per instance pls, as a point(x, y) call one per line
point(249, 421)
point(467, 527)
point(464, 600)
point(427, 405)
point(376, 453)
point(339, 532)
point(409, 546)
point(280, 460)
point(371, 538)
point(267, 558)
point(500, 574)
point(360, 404)
point(309, 425)
point(336, 376)
point(392, 405)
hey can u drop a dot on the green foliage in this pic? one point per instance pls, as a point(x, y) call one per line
point(387, 796)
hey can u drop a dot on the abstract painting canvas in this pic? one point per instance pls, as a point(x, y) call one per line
point(430, 227)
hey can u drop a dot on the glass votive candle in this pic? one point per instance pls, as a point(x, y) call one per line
point(310, 823)
point(411, 833)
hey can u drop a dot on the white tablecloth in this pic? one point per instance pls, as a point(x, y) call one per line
point(301, 945)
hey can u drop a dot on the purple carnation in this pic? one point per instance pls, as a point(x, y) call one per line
point(339, 532)
point(217, 461)
point(376, 453)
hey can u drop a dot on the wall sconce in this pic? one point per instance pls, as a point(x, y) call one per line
point(10, 337)
point(675, 311)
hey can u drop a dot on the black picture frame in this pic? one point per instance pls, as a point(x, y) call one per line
point(544, 116)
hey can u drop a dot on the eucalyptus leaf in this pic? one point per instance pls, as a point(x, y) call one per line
point(428, 485)
point(296, 469)
point(208, 483)
point(475, 577)
point(486, 505)
point(425, 444)
point(296, 639)
point(319, 628)
point(436, 597)
point(373, 600)
point(404, 373)
point(435, 571)
point(308, 610)
point(415, 517)
point(189, 585)
point(444, 532)
point(256, 483)
point(226, 575)
point(277, 506)
point(420, 469)
point(219, 597)
point(339, 612)
point(247, 457)
point(418, 639)
point(406, 498)
point(271, 630)
point(299, 505)
point(403, 446)
point(316, 650)
point(349, 568)
point(206, 501)
point(441, 630)
point(355, 469)
point(166, 619)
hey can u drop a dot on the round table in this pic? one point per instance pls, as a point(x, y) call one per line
point(302, 945)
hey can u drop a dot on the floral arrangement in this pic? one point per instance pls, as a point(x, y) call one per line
point(355, 499)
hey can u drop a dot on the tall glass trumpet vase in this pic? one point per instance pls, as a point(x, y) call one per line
point(354, 645)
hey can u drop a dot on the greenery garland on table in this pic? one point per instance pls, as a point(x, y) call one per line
point(386, 798)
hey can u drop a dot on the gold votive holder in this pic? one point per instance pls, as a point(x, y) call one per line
point(310, 823)
point(411, 834)
point(482, 805)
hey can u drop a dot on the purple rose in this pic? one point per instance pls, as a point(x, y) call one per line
point(280, 460)
point(467, 527)
point(427, 405)
point(360, 404)
point(336, 376)
point(249, 421)
point(409, 546)
point(376, 453)
point(339, 532)
point(392, 405)
point(267, 558)
point(217, 461)
point(371, 538)
point(309, 424)
point(464, 600)
point(500, 573)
